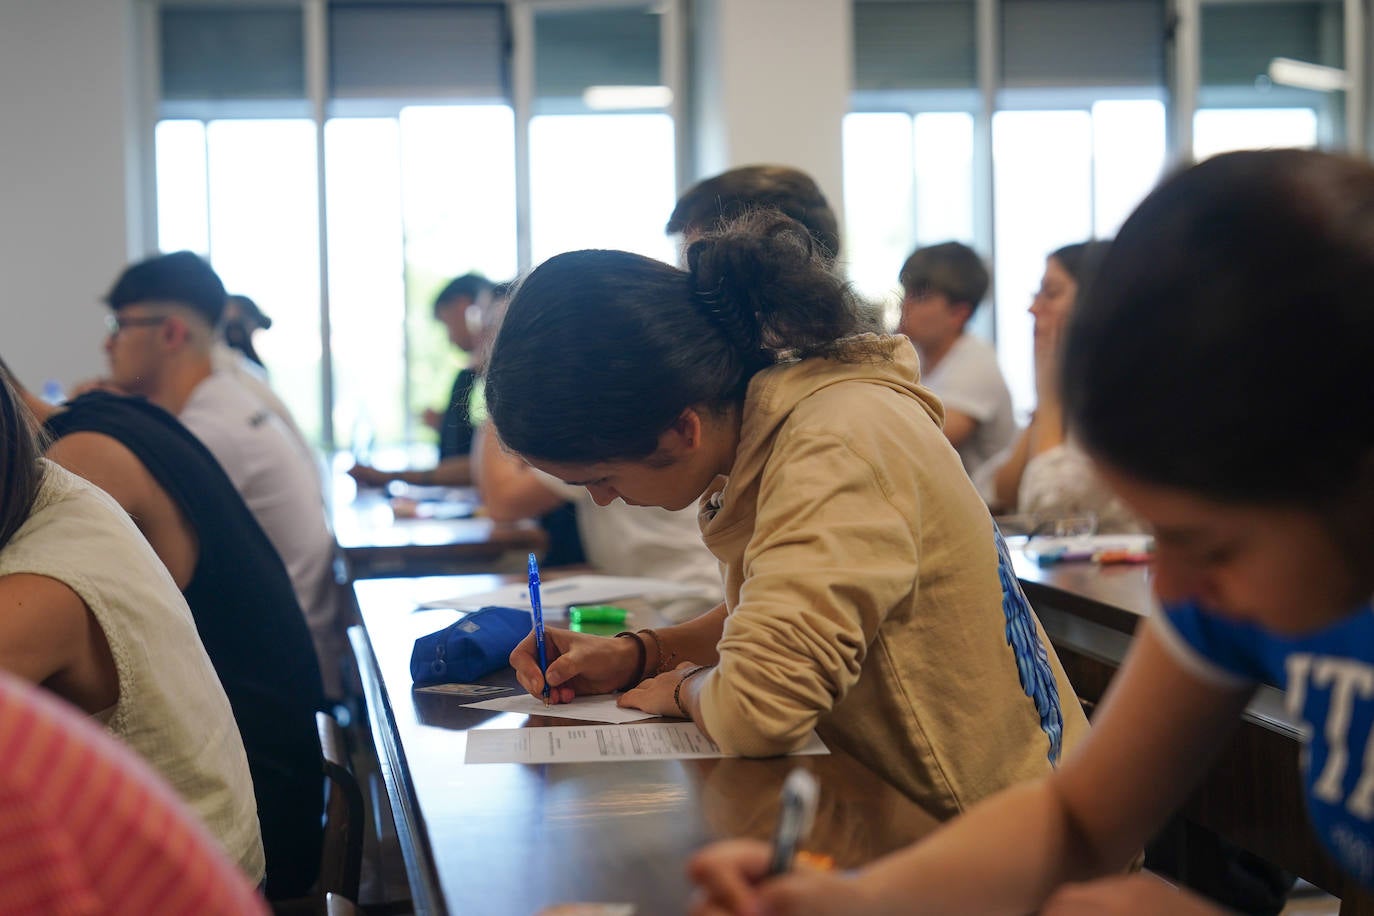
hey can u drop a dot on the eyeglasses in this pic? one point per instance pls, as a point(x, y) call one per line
point(117, 323)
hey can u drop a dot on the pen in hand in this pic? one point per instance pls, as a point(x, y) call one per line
point(798, 810)
point(537, 606)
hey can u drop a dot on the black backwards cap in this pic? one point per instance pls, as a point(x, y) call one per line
point(182, 277)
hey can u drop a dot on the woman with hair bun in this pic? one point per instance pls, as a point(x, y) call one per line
point(866, 596)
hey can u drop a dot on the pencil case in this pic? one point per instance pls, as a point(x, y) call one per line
point(471, 648)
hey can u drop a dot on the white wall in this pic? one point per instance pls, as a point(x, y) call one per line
point(773, 86)
point(67, 218)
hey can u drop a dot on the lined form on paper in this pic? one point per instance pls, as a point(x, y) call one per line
point(599, 708)
point(593, 743)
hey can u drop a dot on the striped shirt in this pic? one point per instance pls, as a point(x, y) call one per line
point(86, 827)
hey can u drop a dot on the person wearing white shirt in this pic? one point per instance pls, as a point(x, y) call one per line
point(164, 312)
point(942, 286)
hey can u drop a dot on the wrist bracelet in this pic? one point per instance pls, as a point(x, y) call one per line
point(665, 660)
point(677, 691)
point(638, 676)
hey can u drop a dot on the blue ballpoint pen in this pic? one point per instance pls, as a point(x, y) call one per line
point(537, 606)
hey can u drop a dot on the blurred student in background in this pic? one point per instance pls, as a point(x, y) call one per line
point(459, 308)
point(715, 201)
point(942, 286)
point(163, 312)
point(1045, 474)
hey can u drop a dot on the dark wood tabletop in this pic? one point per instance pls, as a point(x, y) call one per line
point(377, 543)
point(514, 838)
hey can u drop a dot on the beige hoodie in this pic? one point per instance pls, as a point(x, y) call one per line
point(862, 587)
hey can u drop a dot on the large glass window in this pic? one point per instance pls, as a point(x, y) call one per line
point(414, 200)
point(602, 144)
point(908, 181)
point(1257, 83)
point(1061, 177)
point(909, 151)
point(242, 192)
point(420, 177)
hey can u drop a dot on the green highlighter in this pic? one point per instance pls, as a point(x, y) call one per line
point(579, 614)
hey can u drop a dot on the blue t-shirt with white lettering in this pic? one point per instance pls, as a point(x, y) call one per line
point(1328, 677)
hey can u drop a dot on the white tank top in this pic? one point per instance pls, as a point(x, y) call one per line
point(171, 708)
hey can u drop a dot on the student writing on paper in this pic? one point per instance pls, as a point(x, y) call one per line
point(863, 581)
point(1261, 496)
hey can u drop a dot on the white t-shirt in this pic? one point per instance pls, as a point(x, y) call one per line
point(280, 487)
point(623, 540)
point(968, 380)
point(253, 377)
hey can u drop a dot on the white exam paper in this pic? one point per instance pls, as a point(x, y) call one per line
point(584, 589)
point(600, 743)
point(599, 708)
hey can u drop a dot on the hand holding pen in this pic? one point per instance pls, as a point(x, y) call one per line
point(576, 664)
point(537, 606)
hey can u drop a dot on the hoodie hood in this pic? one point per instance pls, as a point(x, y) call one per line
point(774, 393)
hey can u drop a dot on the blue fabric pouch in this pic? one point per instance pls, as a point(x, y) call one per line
point(471, 648)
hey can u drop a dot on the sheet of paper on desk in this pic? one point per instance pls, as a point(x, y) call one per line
point(584, 589)
point(586, 709)
point(600, 743)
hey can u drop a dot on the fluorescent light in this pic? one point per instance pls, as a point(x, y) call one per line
point(613, 98)
point(1302, 75)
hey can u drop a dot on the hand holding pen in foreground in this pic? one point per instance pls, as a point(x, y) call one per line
point(578, 664)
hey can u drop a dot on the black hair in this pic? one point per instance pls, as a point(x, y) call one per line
point(1081, 260)
point(601, 351)
point(1225, 346)
point(469, 286)
point(183, 278)
point(715, 201)
point(20, 472)
point(253, 316)
point(951, 268)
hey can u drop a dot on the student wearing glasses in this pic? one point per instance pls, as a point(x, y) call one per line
point(164, 311)
point(1218, 372)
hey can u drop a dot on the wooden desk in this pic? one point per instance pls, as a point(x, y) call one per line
point(513, 838)
point(375, 543)
point(1253, 794)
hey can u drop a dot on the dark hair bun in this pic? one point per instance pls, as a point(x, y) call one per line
point(766, 285)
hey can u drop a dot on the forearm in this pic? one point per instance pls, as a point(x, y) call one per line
point(693, 641)
point(1047, 429)
point(508, 489)
point(1007, 482)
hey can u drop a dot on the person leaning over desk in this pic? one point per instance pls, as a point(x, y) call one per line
point(863, 595)
point(1261, 495)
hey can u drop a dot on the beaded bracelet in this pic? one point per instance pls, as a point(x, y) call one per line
point(638, 676)
point(677, 691)
point(665, 661)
